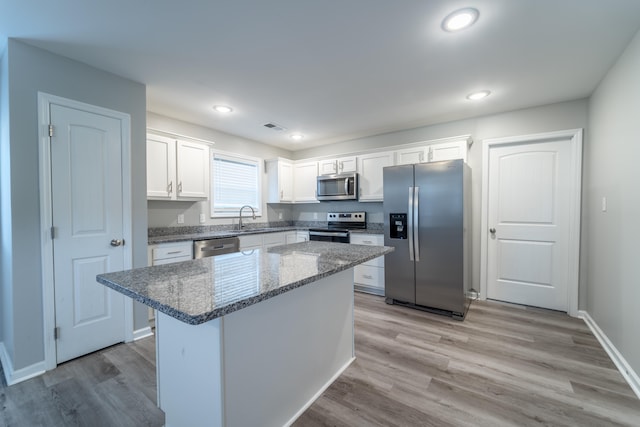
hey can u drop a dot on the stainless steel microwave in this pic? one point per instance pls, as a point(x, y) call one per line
point(338, 187)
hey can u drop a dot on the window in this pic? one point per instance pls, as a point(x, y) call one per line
point(235, 182)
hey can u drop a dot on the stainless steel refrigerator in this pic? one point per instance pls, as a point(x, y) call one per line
point(426, 218)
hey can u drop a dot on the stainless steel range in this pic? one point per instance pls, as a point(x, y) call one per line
point(338, 226)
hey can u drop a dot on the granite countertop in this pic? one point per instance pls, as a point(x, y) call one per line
point(218, 234)
point(221, 234)
point(197, 291)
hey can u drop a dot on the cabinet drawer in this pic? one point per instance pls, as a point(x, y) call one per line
point(369, 276)
point(367, 239)
point(173, 251)
point(273, 239)
point(171, 260)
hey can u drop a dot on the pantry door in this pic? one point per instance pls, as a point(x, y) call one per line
point(532, 220)
point(88, 234)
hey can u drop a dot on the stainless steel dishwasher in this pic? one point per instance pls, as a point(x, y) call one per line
point(212, 247)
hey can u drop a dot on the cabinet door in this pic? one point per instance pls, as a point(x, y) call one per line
point(192, 170)
point(302, 236)
point(305, 182)
point(347, 164)
point(285, 178)
point(273, 239)
point(448, 151)
point(370, 167)
point(409, 156)
point(327, 167)
point(161, 164)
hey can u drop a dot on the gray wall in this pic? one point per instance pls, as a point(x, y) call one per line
point(561, 116)
point(165, 213)
point(611, 171)
point(31, 70)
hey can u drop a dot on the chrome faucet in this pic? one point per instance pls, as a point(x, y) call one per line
point(240, 216)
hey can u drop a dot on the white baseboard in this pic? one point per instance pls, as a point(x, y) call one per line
point(618, 359)
point(14, 377)
point(319, 393)
point(138, 334)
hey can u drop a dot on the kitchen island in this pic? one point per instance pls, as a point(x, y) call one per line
point(249, 338)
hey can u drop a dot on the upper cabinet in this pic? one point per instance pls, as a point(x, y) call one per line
point(176, 170)
point(304, 182)
point(370, 169)
point(446, 150)
point(280, 176)
point(337, 166)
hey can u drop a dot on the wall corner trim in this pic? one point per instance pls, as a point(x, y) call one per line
point(13, 377)
point(618, 359)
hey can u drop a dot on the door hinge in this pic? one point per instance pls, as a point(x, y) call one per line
point(53, 233)
point(50, 130)
point(56, 332)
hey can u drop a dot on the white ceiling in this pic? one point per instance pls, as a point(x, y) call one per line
point(333, 69)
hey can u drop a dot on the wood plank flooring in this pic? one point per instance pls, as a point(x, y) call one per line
point(112, 387)
point(505, 365)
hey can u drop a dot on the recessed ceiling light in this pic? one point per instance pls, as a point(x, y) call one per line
point(223, 108)
point(478, 95)
point(460, 19)
point(297, 136)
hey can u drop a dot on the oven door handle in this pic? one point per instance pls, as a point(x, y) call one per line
point(328, 233)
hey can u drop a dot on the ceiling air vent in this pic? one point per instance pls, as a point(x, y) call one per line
point(275, 127)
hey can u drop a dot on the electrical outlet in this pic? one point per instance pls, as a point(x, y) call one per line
point(180, 218)
point(280, 215)
point(604, 204)
point(202, 218)
point(315, 215)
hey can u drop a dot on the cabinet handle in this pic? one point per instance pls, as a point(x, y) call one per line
point(367, 276)
point(170, 187)
point(341, 166)
point(421, 157)
point(281, 194)
point(430, 153)
point(180, 187)
point(367, 241)
point(173, 252)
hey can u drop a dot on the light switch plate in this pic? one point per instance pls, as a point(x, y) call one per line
point(604, 204)
point(202, 218)
point(180, 218)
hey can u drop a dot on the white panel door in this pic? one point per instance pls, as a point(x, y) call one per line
point(529, 222)
point(86, 179)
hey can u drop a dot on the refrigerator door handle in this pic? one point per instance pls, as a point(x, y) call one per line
point(416, 224)
point(410, 223)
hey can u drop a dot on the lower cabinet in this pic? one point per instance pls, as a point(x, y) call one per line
point(268, 240)
point(168, 253)
point(369, 277)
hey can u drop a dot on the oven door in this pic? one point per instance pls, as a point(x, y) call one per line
point(329, 236)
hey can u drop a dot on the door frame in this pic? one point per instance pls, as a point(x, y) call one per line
point(574, 137)
point(48, 301)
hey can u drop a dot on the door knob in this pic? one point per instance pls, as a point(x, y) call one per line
point(117, 242)
point(492, 230)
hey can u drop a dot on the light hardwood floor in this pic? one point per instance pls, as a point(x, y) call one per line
point(505, 365)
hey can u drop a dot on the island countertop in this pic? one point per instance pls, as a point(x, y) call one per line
point(197, 291)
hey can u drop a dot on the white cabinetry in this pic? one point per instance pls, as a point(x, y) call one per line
point(369, 277)
point(446, 150)
point(304, 182)
point(268, 240)
point(176, 170)
point(296, 237)
point(409, 156)
point(370, 167)
point(280, 176)
point(337, 166)
point(167, 253)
